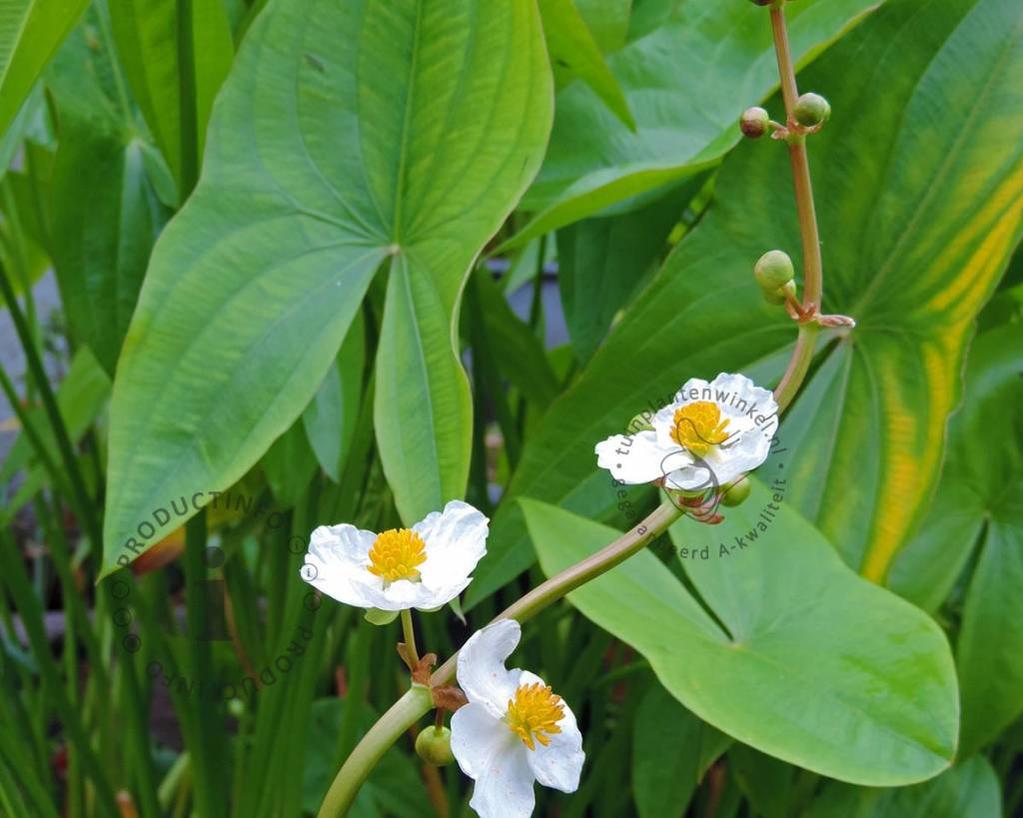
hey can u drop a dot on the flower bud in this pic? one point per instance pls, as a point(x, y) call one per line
point(433, 745)
point(773, 270)
point(811, 110)
point(754, 122)
point(736, 493)
point(782, 294)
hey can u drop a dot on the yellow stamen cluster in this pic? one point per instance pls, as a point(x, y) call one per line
point(534, 713)
point(698, 427)
point(396, 554)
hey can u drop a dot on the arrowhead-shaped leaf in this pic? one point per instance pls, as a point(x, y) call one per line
point(347, 135)
point(805, 661)
point(917, 227)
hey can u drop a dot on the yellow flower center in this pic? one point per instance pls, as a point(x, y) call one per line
point(534, 713)
point(396, 554)
point(698, 427)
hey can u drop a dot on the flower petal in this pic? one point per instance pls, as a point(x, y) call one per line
point(456, 540)
point(633, 459)
point(476, 734)
point(752, 415)
point(481, 671)
point(505, 790)
point(560, 763)
point(335, 564)
point(737, 396)
point(404, 593)
point(503, 778)
point(492, 756)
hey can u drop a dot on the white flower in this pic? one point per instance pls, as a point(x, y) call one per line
point(709, 436)
point(514, 730)
point(423, 567)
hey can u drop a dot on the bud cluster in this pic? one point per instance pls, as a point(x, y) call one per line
point(809, 114)
point(776, 276)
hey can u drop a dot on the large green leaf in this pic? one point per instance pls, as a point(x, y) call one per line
point(968, 790)
point(765, 782)
point(574, 49)
point(105, 215)
point(980, 500)
point(289, 465)
point(345, 136)
point(608, 20)
point(518, 352)
point(805, 660)
point(169, 58)
point(30, 33)
point(671, 751)
point(603, 262)
point(917, 224)
point(686, 84)
point(331, 417)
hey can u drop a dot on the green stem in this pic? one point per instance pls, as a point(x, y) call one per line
point(410, 636)
point(813, 265)
point(417, 702)
point(206, 751)
point(28, 605)
point(86, 511)
point(35, 365)
point(799, 365)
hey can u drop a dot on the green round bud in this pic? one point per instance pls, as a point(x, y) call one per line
point(236, 708)
point(433, 745)
point(737, 492)
point(773, 270)
point(754, 122)
point(811, 110)
point(782, 294)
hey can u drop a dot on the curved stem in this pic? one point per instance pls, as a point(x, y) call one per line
point(799, 365)
point(632, 541)
point(417, 702)
point(388, 729)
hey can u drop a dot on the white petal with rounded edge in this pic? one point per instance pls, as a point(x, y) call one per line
point(505, 787)
point(748, 443)
point(481, 671)
point(560, 763)
point(741, 396)
point(335, 564)
point(476, 734)
point(633, 459)
point(494, 757)
point(455, 542)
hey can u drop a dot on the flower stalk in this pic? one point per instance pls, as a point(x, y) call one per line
point(418, 701)
point(409, 632)
point(813, 264)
